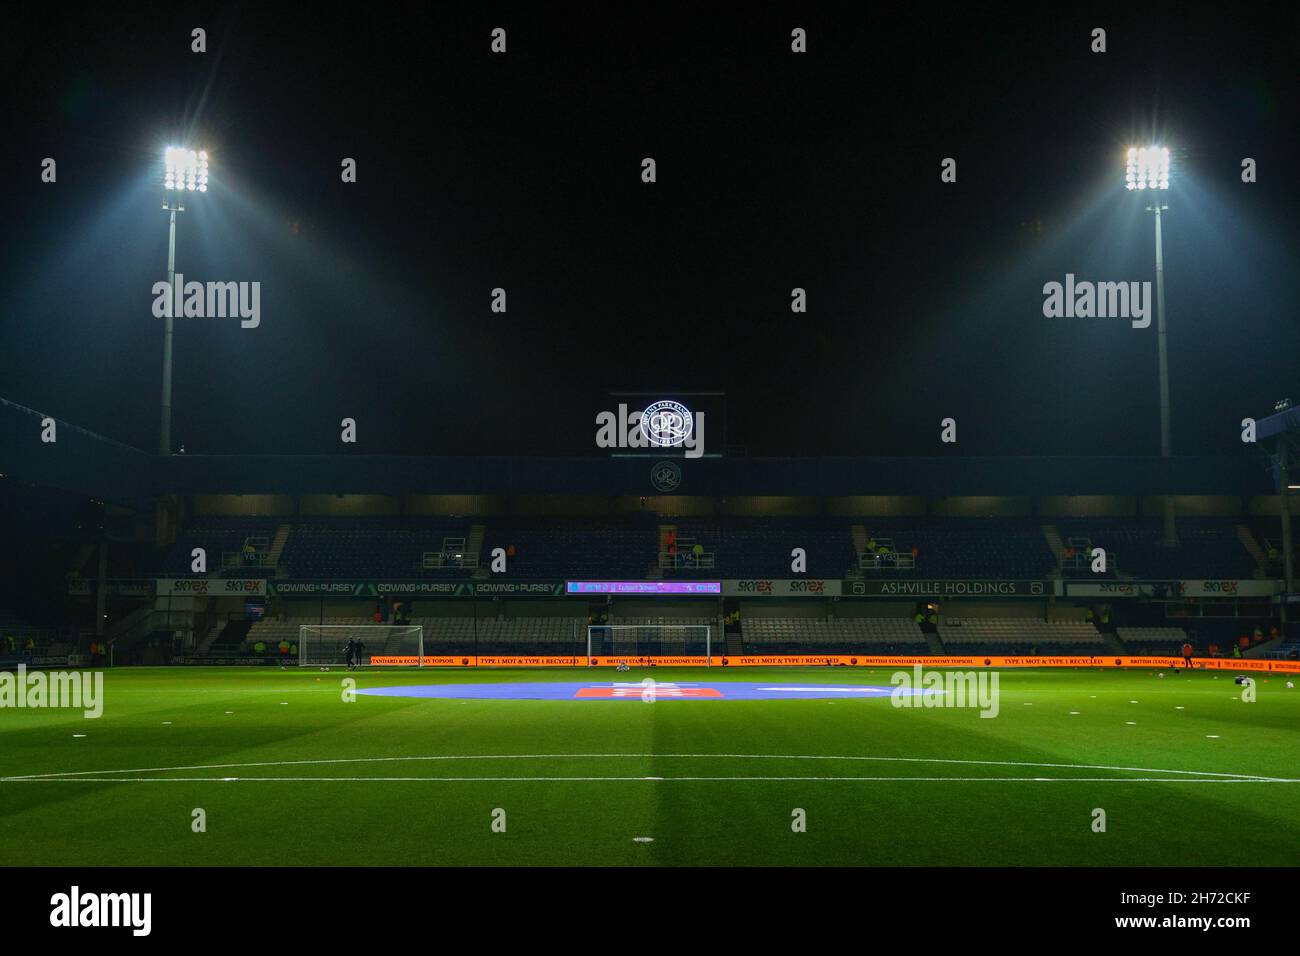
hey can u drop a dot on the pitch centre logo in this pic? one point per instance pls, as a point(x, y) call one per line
point(649, 690)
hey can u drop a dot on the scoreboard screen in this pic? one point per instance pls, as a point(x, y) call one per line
point(643, 587)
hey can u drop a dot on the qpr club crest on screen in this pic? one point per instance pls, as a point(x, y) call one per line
point(664, 424)
point(667, 424)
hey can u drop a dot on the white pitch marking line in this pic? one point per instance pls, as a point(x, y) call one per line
point(655, 780)
point(442, 757)
point(845, 689)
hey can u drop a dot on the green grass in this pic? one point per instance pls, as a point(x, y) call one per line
point(432, 821)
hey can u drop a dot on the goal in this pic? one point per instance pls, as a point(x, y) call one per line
point(642, 643)
point(325, 644)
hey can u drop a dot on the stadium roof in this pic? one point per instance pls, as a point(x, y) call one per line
point(91, 464)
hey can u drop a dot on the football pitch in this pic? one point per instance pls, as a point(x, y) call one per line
point(243, 766)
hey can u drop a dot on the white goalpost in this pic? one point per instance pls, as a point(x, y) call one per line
point(642, 643)
point(326, 644)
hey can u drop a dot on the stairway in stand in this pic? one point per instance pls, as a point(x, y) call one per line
point(277, 545)
point(1054, 542)
point(1247, 539)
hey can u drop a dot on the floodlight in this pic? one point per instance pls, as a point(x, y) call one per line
point(1148, 166)
point(187, 168)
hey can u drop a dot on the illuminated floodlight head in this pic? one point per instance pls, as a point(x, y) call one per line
point(185, 169)
point(1147, 168)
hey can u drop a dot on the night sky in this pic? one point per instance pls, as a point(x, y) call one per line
point(775, 170)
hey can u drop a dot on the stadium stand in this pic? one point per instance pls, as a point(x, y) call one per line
point(756, 548)
point(778, 635)
point(636, 546)
point(975, 635)
point(1004, 548)
point(1288, 650)
point(15, 634)
point(696, 621)
point(1153, 640)
point(397, 547)
point(442, 635)
point(1207, 548)
point(541, 635)
point(556, 548)
point(223, 539)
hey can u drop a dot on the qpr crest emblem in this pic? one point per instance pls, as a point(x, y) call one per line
point(667, 424)
point(666, 476)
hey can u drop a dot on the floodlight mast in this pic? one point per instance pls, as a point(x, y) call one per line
point(165, 432)
point(1149, 168)
point(185, 170)
point(1288, 561)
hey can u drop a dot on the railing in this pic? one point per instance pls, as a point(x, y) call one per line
point(237, 559)
point(687, 559)
point(1082, 560)
point(261, 545)
point(886, 562)
point(447, 559)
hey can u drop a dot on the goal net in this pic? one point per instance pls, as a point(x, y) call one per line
point(642, 643)
point(326, 644)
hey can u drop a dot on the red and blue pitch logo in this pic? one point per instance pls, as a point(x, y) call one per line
point(646, 690)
